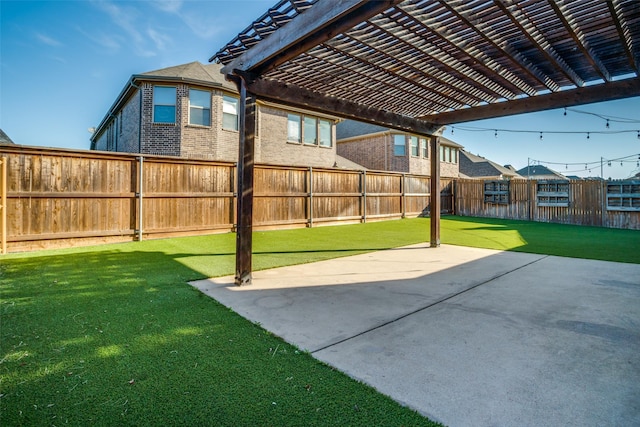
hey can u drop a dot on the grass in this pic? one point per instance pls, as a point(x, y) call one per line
point(114, 335)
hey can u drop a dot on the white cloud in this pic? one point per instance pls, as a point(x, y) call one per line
point(48, 40)
point(125, 19)
point(161, 40)
point(169, 6)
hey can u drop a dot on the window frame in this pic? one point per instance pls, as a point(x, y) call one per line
point(308, 123)
point(200, 107)
point(157, 104)
point(424, 147)
point(236, 101)
point(397, 145)
point(297, 139)
point(414, 144)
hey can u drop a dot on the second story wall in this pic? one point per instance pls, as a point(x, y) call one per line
point(161, 137)
point(276, 146)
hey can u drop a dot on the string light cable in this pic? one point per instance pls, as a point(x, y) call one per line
point(632, 158)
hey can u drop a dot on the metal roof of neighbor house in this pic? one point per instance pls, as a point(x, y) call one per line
point(415, 63)
point(474, 166)
point(540, 172)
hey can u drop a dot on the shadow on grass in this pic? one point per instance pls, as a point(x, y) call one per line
point(117, 337)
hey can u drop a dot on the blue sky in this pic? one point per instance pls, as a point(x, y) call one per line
point(64, 62)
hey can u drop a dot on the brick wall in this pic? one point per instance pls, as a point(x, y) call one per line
point(160, 138)
point(274, 148)
point(371, 151)
point(128, 140)
point(375, 152)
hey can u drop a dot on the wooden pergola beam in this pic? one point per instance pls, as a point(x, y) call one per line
point(295, 96)
point(322, 22)
point(583, 95)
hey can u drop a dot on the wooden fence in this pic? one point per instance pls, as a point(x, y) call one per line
point(585, 204)
point(60, 198)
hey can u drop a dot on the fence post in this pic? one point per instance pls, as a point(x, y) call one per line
point(3, 202)
point(403, 186)
point(310, 196)
point(603, 204)
point(363, 198)
point(140, 196)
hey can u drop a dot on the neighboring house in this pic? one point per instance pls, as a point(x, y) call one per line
point(540, 172)
point(473, 166)
point(380, 148)
point(191, 111)
point(4, 138)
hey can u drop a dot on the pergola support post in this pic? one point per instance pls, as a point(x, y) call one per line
point(246, 157)
point(435, 192)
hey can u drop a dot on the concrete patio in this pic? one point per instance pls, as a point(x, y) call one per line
point(466, 336)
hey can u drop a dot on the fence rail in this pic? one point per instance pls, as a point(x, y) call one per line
point(59, 198)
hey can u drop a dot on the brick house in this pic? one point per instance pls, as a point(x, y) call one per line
point(191, 111)
point(472, 166)
point(380, 148)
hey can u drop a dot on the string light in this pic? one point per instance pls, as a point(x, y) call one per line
point(565, 111)
point(587, 135)
point(495, 134)
point(607, 124)
point(540, 136)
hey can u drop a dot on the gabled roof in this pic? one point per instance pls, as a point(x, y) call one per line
point(540, 172)
point(478, 167)
point(4, 138)
point(195, 72)
point(352, 129)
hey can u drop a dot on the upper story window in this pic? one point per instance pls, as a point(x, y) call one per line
point(414, 146)
point(164, 104)
point(448, 154)
point(294, 132)
point(425, 147)
point(324, 132)
point(199, 107)
point(309, 130)
point(230, 113)
point(399, 145)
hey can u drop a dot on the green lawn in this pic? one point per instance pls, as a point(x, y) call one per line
point(113, 335)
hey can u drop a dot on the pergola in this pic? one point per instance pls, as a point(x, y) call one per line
point(417, 65)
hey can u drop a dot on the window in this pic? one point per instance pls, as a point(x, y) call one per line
point(293, 127)
point(310, 130)
point(164, 104)
point(414, 146)
point(399, 145)
point(454, 155)
point(199, 107)
point(425, 147)
point(442, 153)
point(325, 132)
point(229, 113)
point(447, 154)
